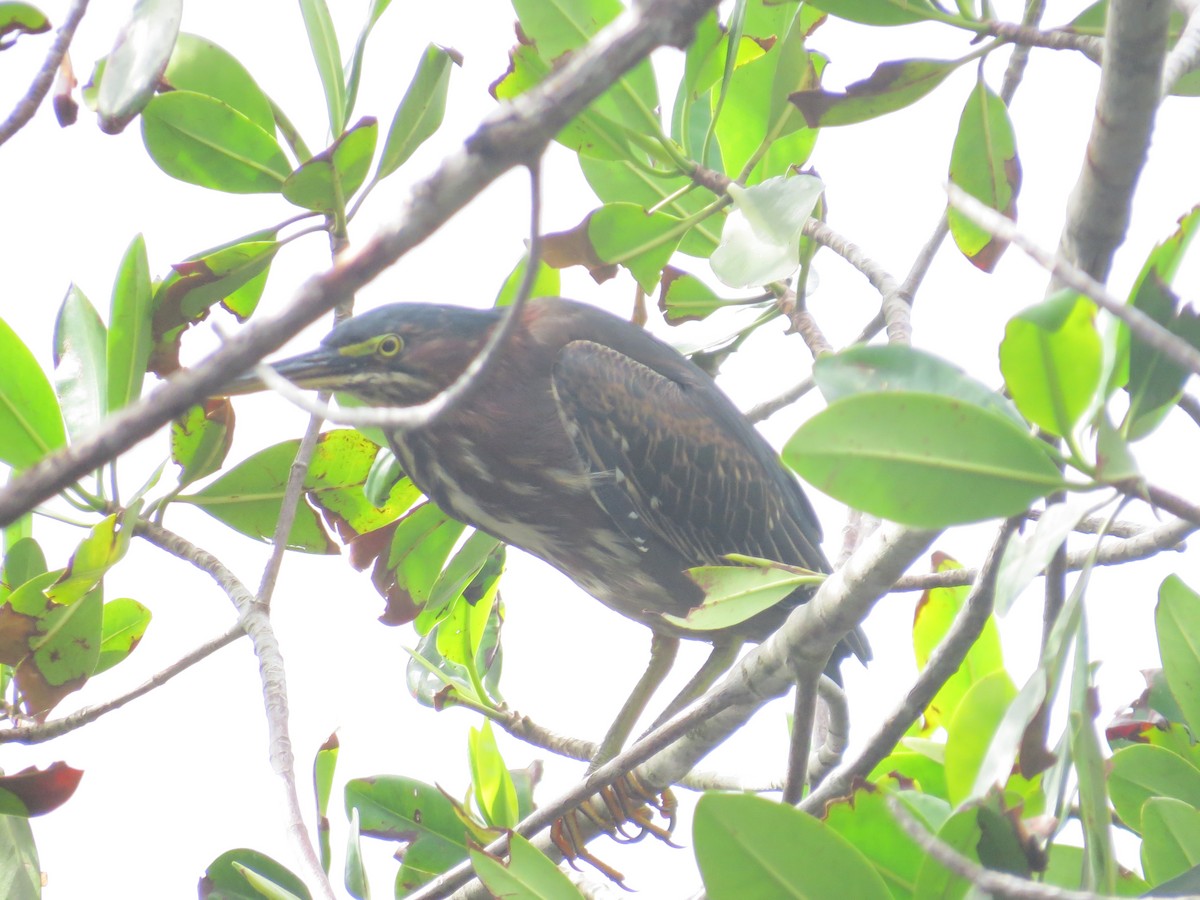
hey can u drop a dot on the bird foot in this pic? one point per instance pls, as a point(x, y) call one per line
point(615, 807)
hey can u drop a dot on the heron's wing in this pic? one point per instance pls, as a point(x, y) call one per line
point(675, 461)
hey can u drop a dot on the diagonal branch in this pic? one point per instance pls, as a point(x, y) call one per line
point(40, 86)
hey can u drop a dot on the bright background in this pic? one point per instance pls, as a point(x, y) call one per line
point(177, 777)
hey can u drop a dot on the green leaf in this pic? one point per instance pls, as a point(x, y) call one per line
point(324, 766)
point(136, 62)
point(249, 496)
point(323, 40)
point(921, 459)
point(200, 140)
point(561, 27)
point(421, 109)
point(880, 12)
point(868, 368)
point(1052, 359)
point(1094, 815)
point(683, 297)
point(200, 66)
point(326, 181)
point(354, 67)
point(984, 164)
point(733, 594)
point(495, 793)
point(746, 847)
point(1170, 838)
point(1177, 620)
point(20, 18)
point(129, 330)
point(969, 733)
point(383, 477)
point(125, 622)
point(30, 421)
point(1154, 381)
point(201, 438)
point(624, 233)
point(355, 870)
point(936, 612)
point(23, 562)
point(546, 282)
point(1142, 771)
point(865, 821)
point(19, 859)
point(105, 546)
point(527, 875)
point(225, 878)
point(65, 645)
point(892, 86)
point(80, 368)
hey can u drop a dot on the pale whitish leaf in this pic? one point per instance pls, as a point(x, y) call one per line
point(760, 242)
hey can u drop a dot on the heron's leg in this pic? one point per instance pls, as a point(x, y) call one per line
point(722, 657)
point(662, 655)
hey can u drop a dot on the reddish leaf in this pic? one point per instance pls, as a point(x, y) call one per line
point(42, 791)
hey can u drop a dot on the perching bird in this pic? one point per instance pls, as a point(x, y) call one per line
point(590, 444)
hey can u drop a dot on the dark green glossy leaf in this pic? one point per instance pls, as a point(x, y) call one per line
point(80, 368)
point(17, 19)
point(746, 847)
point(1177, 621)
point(1142, 771)
point(880, 12)
point(396, 808)
point(322, 38)
point(984, 164)
point(201, 438)
point(225, 878)
point(30, 421)
point(200, 140)
point(354, 67)
point(136, 62)
point(129, 331)
point(1052, 358)
point(326, 181)
point(866, 368)
point(892, 86)
point(421, 109)
point(921, 459)
point(527, 873)
point(936, 612)
point(125, 622)
point(200, 66)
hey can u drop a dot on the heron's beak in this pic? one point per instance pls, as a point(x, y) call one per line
point(324, 367)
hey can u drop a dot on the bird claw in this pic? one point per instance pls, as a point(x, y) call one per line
point(626, 802)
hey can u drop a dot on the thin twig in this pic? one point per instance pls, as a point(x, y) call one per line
point(1026, 36)
point(37, 734)
point(255, 621)
point(1143, 327)
point(943, 663)
point(1113, 553)
point(40, 86)
point(989, 881)
point(1185, 55)
point(425, 414)
point(1014, 72)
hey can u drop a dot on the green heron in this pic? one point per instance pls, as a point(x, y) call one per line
point(590, 444)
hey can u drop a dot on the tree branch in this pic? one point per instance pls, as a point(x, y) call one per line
point(40, 86)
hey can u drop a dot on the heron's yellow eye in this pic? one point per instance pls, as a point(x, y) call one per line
point(389, 345)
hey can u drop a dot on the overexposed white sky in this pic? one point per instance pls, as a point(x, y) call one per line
point(176, 778)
